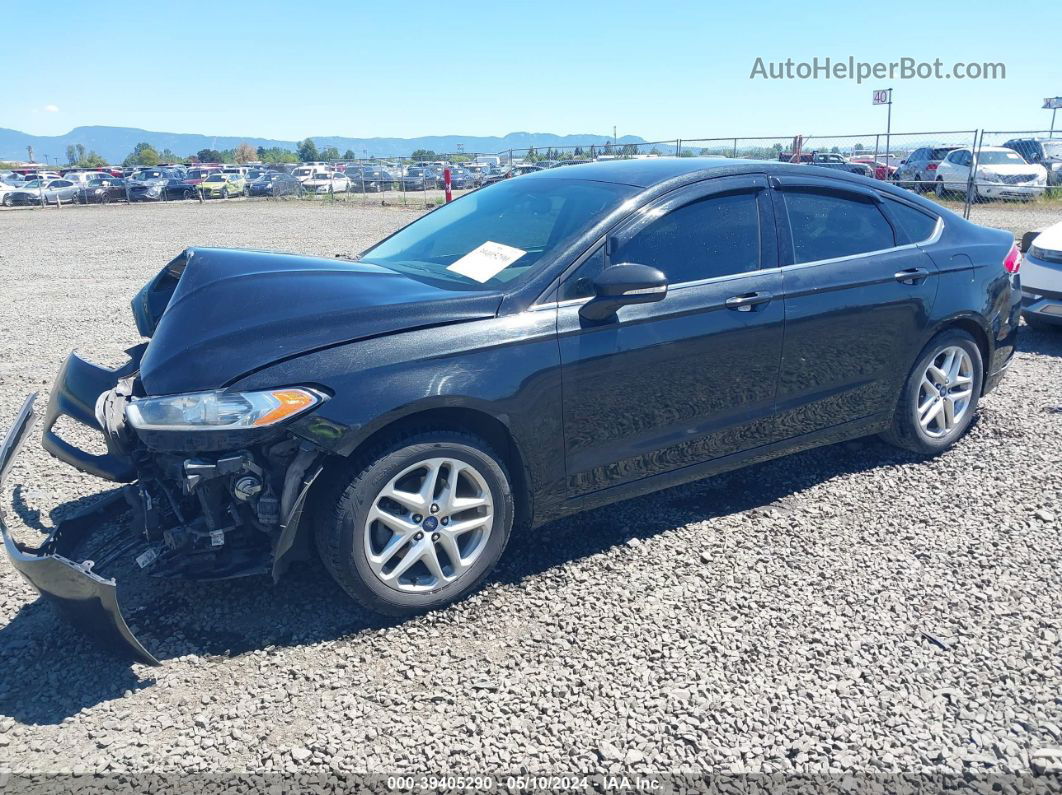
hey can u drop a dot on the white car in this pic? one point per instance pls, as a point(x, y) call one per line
point(333, 182)
point(1001, 174)
point(1041, 278)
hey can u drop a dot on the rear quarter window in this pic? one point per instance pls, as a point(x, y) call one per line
point(916, 224)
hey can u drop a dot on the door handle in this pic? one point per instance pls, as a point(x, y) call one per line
point(911, 275)
point(745, 303)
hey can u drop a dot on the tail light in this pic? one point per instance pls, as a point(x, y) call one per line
point(931, 167)
point(1012, 264)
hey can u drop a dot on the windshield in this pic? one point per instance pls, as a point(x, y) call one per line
point(531, 217)
point(147, 175)
point(198, 173)
point(1000, 158)
point(940, 154)
point(33, 183)
point(1052, 148)
point(215, 178)
point(302, 172)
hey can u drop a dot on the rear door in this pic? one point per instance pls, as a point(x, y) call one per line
point(666, 385)
point(858, 297)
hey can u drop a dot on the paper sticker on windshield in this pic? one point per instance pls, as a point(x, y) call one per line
point(485, 262)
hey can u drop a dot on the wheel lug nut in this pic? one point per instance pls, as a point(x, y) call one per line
point(435, 536)
point(434, 508)
point(417, 518)
point(446, 520)
point(418, 536)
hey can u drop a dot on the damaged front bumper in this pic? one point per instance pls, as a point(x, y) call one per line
point(88, 600)
point(199, 523)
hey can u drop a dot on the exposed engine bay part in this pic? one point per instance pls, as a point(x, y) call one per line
point(202, 517)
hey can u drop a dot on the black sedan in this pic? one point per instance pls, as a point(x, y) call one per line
point(102, 191)
point(535, 348)
point(370, 179)
point(157, 184)
point(274, 183)
point(419, 178)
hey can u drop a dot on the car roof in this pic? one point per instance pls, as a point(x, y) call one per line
point(649, 172)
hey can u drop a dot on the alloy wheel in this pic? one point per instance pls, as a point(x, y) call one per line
point(428, 525)
point(945, 392)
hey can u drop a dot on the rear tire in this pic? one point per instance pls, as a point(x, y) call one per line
point(939, 398)
point(413, 560)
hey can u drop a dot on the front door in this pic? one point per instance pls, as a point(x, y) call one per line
point(666, 385)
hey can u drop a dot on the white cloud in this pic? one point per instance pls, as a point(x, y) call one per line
point(51, 108)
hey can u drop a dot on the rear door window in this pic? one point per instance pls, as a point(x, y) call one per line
point(827, 226)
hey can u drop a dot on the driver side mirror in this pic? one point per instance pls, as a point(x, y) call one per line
point(621, 285)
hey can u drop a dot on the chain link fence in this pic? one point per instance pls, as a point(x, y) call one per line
point(959, 168)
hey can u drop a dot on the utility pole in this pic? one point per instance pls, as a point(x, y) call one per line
point(29, 151)
point(613, 134)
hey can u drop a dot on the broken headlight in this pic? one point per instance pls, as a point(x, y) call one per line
point(218, 410)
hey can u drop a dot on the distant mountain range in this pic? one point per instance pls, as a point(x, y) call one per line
point(114, 143)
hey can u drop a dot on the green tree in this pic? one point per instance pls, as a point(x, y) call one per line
point(80, 152)
point(593, 152)
point(143, 154)
point(329, 154)
point(349, 155)
point(307, 151)
point(91, 160)
point(71, 154)
point(423, 154)
point(531, 155)
point(276, 154)
point(168, 156)
point(208, 156)
point(858, 147)
point(578, 153)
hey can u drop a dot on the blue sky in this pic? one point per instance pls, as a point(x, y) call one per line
point(288, 70)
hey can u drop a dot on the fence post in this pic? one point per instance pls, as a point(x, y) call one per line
point(971, 180)
point(735, 147)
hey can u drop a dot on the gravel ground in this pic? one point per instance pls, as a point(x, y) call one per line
point(845, 609)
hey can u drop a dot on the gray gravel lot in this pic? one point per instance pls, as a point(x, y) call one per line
point(771, 619)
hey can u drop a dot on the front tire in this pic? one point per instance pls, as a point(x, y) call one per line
point(939, 397)
point(224, 193)
point(418, 523)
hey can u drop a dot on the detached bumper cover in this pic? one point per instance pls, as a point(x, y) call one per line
point(86, 599)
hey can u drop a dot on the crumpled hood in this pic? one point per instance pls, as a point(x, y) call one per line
point(216, 314)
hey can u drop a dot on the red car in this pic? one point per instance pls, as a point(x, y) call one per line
point(882, 170)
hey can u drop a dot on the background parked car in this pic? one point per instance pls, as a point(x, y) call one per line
point(884, 168)
point(370, 179)
point(461, 178)
point(330, 182)
point(156, 184)
point(418, 178)
point(221, 186)
point(274, 183)
point(512, 171)
point(1001, 174)
point(51, 191)
point(919, 170)
point(103, 190)
point(195, 176)
point(1046, 152)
